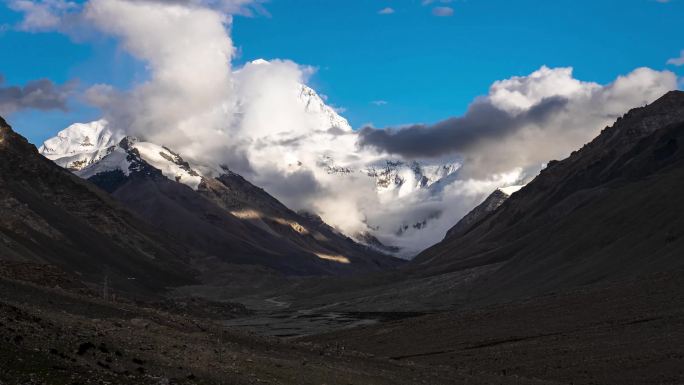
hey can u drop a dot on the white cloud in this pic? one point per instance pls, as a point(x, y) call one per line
point(42, 15)
point(379, 102)
point(677, 61)
point(548, 111)
point(443, 11)
point(188, 98)
point(48, 15)
point(386, 11)
point(520, 93)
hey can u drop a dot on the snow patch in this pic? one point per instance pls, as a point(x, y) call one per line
point(511, 189)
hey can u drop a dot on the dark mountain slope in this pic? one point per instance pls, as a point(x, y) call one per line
point(211, 231)
point(306, 231)
point(493, 201)
point(230, 221)
point(48, 215)
point(610, 210)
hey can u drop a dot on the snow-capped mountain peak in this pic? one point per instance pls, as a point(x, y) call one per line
point(322, 115)
point(80, 138)
point(81, 144)
point(132, 155)
point(315, 105)
point(92, 148)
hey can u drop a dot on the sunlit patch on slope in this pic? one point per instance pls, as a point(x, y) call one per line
point(334, 258)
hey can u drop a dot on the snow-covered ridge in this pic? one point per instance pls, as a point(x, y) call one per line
point(413, 175)
point(316, 106)
point(396, 175)
point(81, 144)
point(92, 148)
point(128, 156)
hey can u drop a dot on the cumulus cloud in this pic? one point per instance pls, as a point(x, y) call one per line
point(66, 15)
point(289, 134)
point(379, 102)
point(677, 61)
point(43, 15)
point(386, 11)
point(548, 111)
point(187, 101)
point(40, 94)
point(443, 11)
point(420, 219)
point(260, 120)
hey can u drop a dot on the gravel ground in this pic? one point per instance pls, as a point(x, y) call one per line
point(628, 332)
point(53, 336)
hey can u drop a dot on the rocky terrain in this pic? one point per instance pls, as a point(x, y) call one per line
point(54, 336)
point(624, 332)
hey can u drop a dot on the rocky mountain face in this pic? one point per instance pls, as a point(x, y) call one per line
point(610, 210)
point(395, 175)
point(226, 219)
point(496, 199)
point(47, 215)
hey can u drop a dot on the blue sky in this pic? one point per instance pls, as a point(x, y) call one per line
point(426, 68)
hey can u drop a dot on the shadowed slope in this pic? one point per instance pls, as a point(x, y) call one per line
point(226, 220)
point(612, 209)
point(49, 215)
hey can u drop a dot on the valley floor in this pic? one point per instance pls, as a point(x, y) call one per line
point(53, 336)
point(629, 332)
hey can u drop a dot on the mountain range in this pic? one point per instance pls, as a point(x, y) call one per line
point(395, 183)
point(91, 148)
point(226, 216)
point(583, 261)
